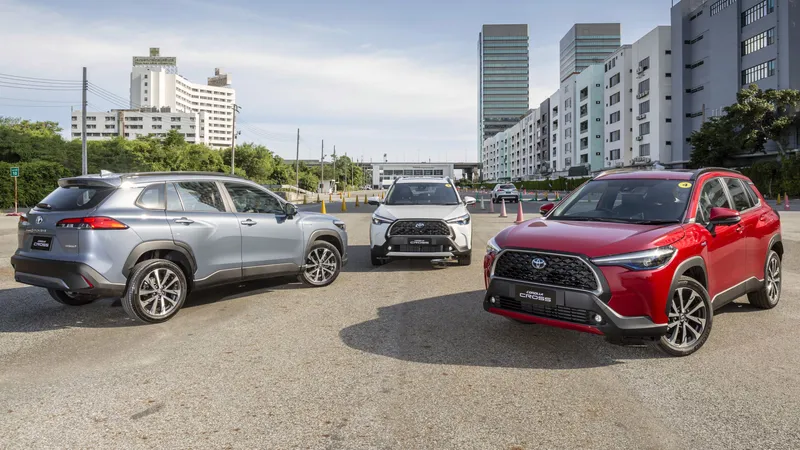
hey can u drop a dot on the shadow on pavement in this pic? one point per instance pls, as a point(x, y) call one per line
point(455, 330)
point(360, 262)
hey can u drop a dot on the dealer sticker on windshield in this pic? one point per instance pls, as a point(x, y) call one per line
point(447, 185)
point(685, 185)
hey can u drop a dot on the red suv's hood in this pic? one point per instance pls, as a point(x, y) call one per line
point(592, 239)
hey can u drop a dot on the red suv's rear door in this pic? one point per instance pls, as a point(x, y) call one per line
point(750, 214)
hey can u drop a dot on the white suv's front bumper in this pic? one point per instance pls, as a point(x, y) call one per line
point(459, 242)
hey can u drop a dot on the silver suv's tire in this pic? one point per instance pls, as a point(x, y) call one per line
point(156, 291)
point(769, 294)
point(71, 298)
point(322, 266)
point(690, 318)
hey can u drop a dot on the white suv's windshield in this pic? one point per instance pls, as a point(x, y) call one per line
point(422, 194)
point(628, 201)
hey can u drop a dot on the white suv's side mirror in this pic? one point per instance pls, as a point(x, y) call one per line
point(469, 200)
point(374, 201)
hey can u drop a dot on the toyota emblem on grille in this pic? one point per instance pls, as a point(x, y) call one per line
point(538, 263)
point(39, 220)
point(420, 225)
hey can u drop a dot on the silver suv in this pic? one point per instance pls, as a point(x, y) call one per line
point(151, 238)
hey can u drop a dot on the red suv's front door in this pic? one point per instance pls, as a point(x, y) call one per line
point(726, 253)
point(750, 215)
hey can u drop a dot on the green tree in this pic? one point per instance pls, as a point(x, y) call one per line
point(256, 161)
point(715, 143)
point(765, 115)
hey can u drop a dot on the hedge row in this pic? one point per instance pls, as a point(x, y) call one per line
point(36, 180)
point(773, 177)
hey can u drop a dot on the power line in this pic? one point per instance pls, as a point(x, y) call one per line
point(37, 100)
point(37, 106)
point(34, 79)
point(37, 87)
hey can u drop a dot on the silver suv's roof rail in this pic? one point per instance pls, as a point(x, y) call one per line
point(156, 174)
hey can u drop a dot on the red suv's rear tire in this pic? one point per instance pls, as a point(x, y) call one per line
point(769, 294)
point(690, 319)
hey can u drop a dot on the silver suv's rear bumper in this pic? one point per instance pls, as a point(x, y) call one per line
point(63, 275)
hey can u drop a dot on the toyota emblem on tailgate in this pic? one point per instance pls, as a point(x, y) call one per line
point(39, 220)
point(538, 263)
point(420, 225)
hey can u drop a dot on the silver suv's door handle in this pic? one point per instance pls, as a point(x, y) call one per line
point(249, 222)
point(184, 220)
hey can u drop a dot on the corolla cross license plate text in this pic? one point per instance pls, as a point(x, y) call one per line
point(535, 295)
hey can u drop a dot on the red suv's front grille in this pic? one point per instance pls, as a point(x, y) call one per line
point(564, 313)
point(559, 270)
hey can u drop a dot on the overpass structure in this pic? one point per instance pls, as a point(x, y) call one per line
point(384, 173)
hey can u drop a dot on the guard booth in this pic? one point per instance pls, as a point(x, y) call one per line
point(327, 187)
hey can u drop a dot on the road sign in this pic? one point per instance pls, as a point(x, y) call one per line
point(15, 171)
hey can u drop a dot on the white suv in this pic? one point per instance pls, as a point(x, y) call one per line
point(507, 192)
point(421, 218)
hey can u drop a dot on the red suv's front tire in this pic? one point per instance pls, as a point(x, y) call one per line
point(690, 318)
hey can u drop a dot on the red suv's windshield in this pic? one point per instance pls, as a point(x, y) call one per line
point(630, 201)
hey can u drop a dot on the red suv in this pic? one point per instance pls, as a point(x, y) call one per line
point(640, 256)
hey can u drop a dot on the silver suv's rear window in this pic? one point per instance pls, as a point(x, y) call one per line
point(74, 198)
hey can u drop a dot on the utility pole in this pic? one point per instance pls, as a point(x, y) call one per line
point(233, 140)
point(297, 162)
point(345, 173)
point(334, 165)
point(84, 156)
point(322, 164)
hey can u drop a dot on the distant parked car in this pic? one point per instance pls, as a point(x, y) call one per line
point(151, 238)
point(506, 192)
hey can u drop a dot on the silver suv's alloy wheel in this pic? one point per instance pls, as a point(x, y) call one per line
point(320, 265)
point(687, 318)
point(159, 292)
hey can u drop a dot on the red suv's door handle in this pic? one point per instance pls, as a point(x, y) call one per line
point(740, 228)
point(763, 217)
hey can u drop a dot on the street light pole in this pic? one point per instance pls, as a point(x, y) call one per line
point(297, 162)
point(233, 140)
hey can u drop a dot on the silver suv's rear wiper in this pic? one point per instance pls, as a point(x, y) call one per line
point(44, 206)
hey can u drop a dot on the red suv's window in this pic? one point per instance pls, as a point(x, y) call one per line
point(711, 196)
point(741, 201)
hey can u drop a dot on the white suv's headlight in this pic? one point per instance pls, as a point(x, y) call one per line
point(378, 220)
point(461, 220)
point(645, 260)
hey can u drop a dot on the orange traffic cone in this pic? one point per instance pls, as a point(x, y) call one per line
point(503, 209)
point(520, 217)
point(491, 205)
point(786, 202)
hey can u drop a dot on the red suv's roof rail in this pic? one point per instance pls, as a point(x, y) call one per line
point(699, 172)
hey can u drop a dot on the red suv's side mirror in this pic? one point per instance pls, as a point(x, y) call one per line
point(724, 216)
point(544, 209)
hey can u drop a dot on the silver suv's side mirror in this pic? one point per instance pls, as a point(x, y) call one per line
point(290, 209)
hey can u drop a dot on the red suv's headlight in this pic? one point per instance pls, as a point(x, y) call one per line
point(645, 260)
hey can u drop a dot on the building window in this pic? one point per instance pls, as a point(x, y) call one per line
point(758, 42)
point(758, 72)
point(644, 107)
point(693, 115)
point(693, 90)
point(644, 128)
point(614, 117)
point(695, 16)
point(584, 93)
point(613, 81)
point(614, 154)
point(584, 126)
point(614, 136)
point(568, 117)
point(668, 75)
point(644, 87)
point(667, 52)
point(719, 6)
point(644, 150)
point(756, 12)
point(692, 41)
point(644, 64)
point(584, 143)
point(614, 99)
point(669, 97)
point(584, 110)
point(669, 120)
point(695, 65)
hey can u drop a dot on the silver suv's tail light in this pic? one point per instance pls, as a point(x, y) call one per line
point(92, 223)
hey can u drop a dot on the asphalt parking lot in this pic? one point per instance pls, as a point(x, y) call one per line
point(401, 356)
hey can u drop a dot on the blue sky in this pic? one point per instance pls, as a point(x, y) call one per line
point(371, 77)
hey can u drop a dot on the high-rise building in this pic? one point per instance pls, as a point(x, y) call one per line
point(542, 148)
point(720, 47)
point(155, 83)
point(590, 149)
point(503, 84)
point(617, 100)
point(586, 44)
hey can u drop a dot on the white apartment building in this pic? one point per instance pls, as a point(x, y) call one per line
point(618, 118)
point(130, 124)
point(567, 131)
point(638, 98)
point(495, 157)
point(156, 84)
point(591, 149)
point(556, 154)
point(652, 104)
